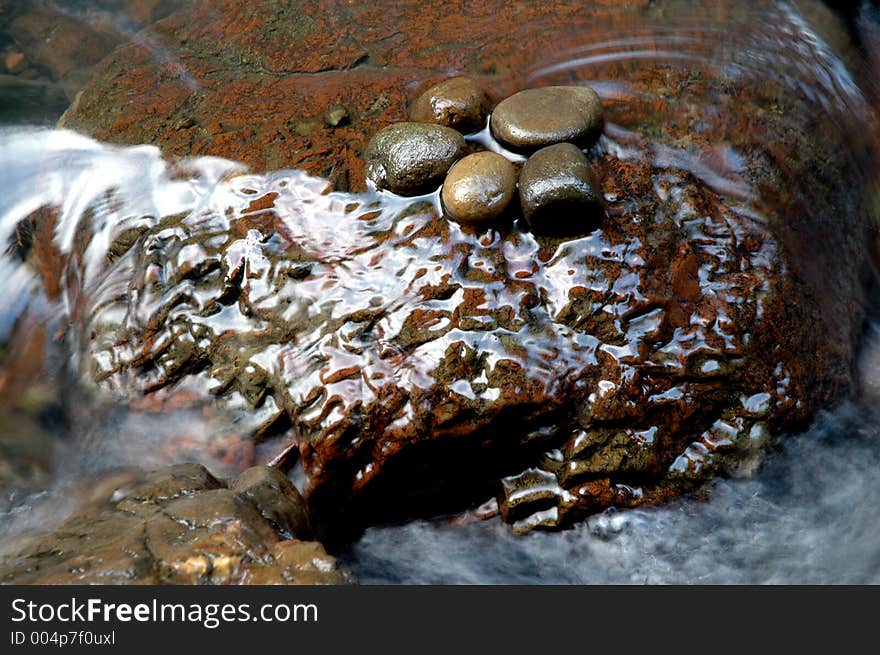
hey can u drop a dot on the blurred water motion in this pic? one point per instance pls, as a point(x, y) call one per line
point(810, 517)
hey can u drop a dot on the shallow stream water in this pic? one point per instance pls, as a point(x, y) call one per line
point(811, 513)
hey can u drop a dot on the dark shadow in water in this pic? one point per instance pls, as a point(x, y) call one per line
point(811, 515)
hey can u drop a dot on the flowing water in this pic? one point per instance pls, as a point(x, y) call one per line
point(810, 517)
point(811, 513)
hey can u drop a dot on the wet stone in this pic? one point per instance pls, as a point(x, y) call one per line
point(276, 498)
point(459, 103)
point(173, 482)
point(177, 525)
point(479, 188)
point(61, 44)
point(535, 118)
point(412, 158)
point(559, 191)
point(419, 365)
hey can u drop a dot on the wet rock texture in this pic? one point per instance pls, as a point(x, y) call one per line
point(178, 525)
point(258, 81)
point(412, 158)
point(420, 367)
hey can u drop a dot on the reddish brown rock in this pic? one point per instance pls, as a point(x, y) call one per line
point(254, 81)
point(14, 62)
point(421, 368)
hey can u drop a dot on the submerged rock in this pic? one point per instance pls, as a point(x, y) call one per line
point(459, 103)
point(559, 192)
point(412, 158)
point(62, 45)
point(479, 188)
point(14, 62)
point(179, 525)
point(540, 117)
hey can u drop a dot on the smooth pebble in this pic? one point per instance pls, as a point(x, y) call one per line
point(479, 188)
point(559, 192)
point(459, 103)
point(411, 158)
point(535, 118)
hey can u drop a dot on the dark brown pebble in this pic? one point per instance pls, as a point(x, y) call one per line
point(412, 158)
point(559, 192)
point(459, 103)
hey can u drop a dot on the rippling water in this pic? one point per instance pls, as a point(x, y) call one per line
point(810, 514)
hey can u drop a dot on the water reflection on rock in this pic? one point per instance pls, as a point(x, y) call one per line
point(418, 366)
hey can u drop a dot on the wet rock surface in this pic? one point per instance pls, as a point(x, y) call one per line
point(277, 499)
point(411, 158)
point(178, 525)
point(559, 193)
point(420, 368)
point(540, 117)
point(459, 103)
point(479, 188)
point(254, 81)
point(29, 413)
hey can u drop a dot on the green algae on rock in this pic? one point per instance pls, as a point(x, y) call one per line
point(478, 188)
point(412, 158)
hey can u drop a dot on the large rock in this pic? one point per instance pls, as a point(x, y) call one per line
point(178, 525)
point(258, 81)
point(418, 367)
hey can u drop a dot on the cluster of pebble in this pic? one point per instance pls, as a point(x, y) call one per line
point(558, 190)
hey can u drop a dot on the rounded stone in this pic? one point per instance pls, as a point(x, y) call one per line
point(478, 188)
point(535, 118)
point(411, 158)
point(559, 191)
point(459, 103)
